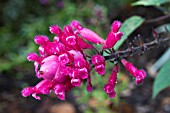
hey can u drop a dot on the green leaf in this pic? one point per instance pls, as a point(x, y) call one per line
point(163, 28)
point(150, 2)
point(162, 80)
point(130, 25)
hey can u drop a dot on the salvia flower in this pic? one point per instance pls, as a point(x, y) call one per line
point(87, 34)
point(109, 87)
point(99, 63)
point(113, 36)
point(62, 64)
point(139, 75)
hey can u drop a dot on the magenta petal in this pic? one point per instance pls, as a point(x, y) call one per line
point(80, 63)
point(89, 88)
point(113, 77)
point(49, 67)
point(98, 59)
point(41, 51)
point(140, 76)
point(139, 80)
point(36, 64)
point(108, 88)
point(76, 82)
point(71, 40)
point(55, 29)
point(91, 36)
point(59, 48)
point(73, 73)
point(129, 67)
point(112, 94)
point(36, 97)
point(27, 91)
point(44, 87)
point(56, 39)
point(59, 91)
point(41, 39)
point(83, 44)
point(112, 39)
point(68, 30)
point(33, 57)
point(100, 69)
point(83, 73)
point(116, 26)
point(58, 88)
point(76, 25)
point(61, 95)
point(63, 58)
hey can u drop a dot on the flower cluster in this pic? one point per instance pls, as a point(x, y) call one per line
point(63, 64)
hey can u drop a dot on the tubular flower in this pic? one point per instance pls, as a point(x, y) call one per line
point(99, 63)
point(63, 64)
point(139, 75)
point(87, 34)
point(113, 36)
point(109, 87)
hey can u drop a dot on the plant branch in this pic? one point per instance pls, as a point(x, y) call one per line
point(160, 41)
point(158, 18)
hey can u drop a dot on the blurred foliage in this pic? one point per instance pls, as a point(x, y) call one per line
point(163, 5)
point(150, 2)
point(162, 80)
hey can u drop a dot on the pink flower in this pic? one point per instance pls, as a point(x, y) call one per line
point(109, 87)
point(99, 63)
point(55, 29)
point(139, 75)
point(113, 36)
point(42, 87)
point(87, 34)
point(49, 67)
point(41, 39)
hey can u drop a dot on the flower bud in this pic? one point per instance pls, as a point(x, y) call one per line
point(76, 25)
point(87, 34)
point(116, 26)
point(41, 39)
point(55, 29)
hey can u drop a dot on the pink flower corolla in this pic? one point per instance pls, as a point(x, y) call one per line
point(109, 87)
point(55, 29)
point(87, 34)
point(42, 87)
point(113, 36)
point(99, 63)
point(139, 75)
point(81, 66)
